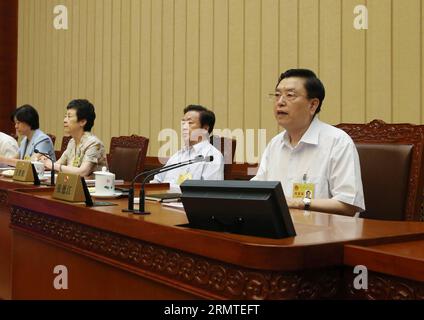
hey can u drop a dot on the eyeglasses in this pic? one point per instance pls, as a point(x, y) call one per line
point(288, 96)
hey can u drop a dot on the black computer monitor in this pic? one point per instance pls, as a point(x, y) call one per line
point(256, 208)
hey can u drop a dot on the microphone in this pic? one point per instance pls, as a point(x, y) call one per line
point(52, 171)
point(152, 172)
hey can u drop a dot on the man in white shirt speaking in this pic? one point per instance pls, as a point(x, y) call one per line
point(317, 164)
point(197, 125)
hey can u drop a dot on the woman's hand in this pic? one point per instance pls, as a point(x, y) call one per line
point(47, 162)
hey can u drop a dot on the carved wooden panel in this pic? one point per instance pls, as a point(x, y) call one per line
point(384, 287)
point(201, 274)
point(377, 131)
point(3, 197)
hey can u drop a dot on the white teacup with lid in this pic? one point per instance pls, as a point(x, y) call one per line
point(104, 182)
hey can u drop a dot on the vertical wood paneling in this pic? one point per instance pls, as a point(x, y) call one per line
point(308, 34)
point(206, 53)
point(82, 50)
point(67, 61)
point(379, 58)
point(179, 70)
point(22, 66)
point(56, 78)
point(116, 71)
point(141, 61)
point(36, 25)
point(192, 54)
point(269, 67)
point(41, 25)
point(235, 64)
point(220, 65)
point(107, 72)
point(91, 41)
point(252, 72)
point(49, 75)
point(422, 62)
point(30, 46)
point(156, 75)
point(124, 102)
point(330, 59)
point(74, 19)
point(57, 111)
point(406, 61)
point(99, 68)
point(135, 67)
point(353, 66)
point(168, 47)
point(288, 35)
point(145, 72)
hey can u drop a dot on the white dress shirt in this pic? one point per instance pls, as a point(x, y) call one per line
point(325, 154)
point(8, 146)
point(199, 171)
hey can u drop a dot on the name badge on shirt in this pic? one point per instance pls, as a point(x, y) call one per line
point(183, 177)
point(76, 162)
point(304, 190)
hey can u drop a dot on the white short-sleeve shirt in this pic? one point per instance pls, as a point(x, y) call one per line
point(199, 171)
point(325, 155)
point(8, 146)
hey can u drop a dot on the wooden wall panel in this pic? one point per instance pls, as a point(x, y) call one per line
point(379, 62)
point(330, 53)
point(9, 25)
point(142, 61)
point(353, 66)
point(406, 61)
point(178, 99)
point(206, 46)
point(236, 64)
point(220, 63)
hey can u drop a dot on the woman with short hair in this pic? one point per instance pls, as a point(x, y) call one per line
point(27, 125)
point(85, 153)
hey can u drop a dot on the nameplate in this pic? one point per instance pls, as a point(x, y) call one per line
point(69, 188)
point(25, 172)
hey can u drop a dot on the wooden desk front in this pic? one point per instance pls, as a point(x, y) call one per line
point(6, 184)
point(114, 255)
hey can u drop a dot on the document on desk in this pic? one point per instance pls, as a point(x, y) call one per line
point(176, 205)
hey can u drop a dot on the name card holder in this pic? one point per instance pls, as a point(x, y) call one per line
point(25, 172)
point(69, 188)
point(72, 188)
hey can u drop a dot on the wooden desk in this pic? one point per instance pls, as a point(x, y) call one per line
point(6, 235)
point(114, 255)
point(396, 270)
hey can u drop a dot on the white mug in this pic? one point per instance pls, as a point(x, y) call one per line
point(104, 182)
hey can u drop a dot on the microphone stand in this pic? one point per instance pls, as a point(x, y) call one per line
point(148, 175)
point(52, 170)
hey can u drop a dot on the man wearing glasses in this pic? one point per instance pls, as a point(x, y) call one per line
point(310, 155)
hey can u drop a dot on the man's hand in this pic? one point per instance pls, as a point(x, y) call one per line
point(295, 203)
point(324, 205)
